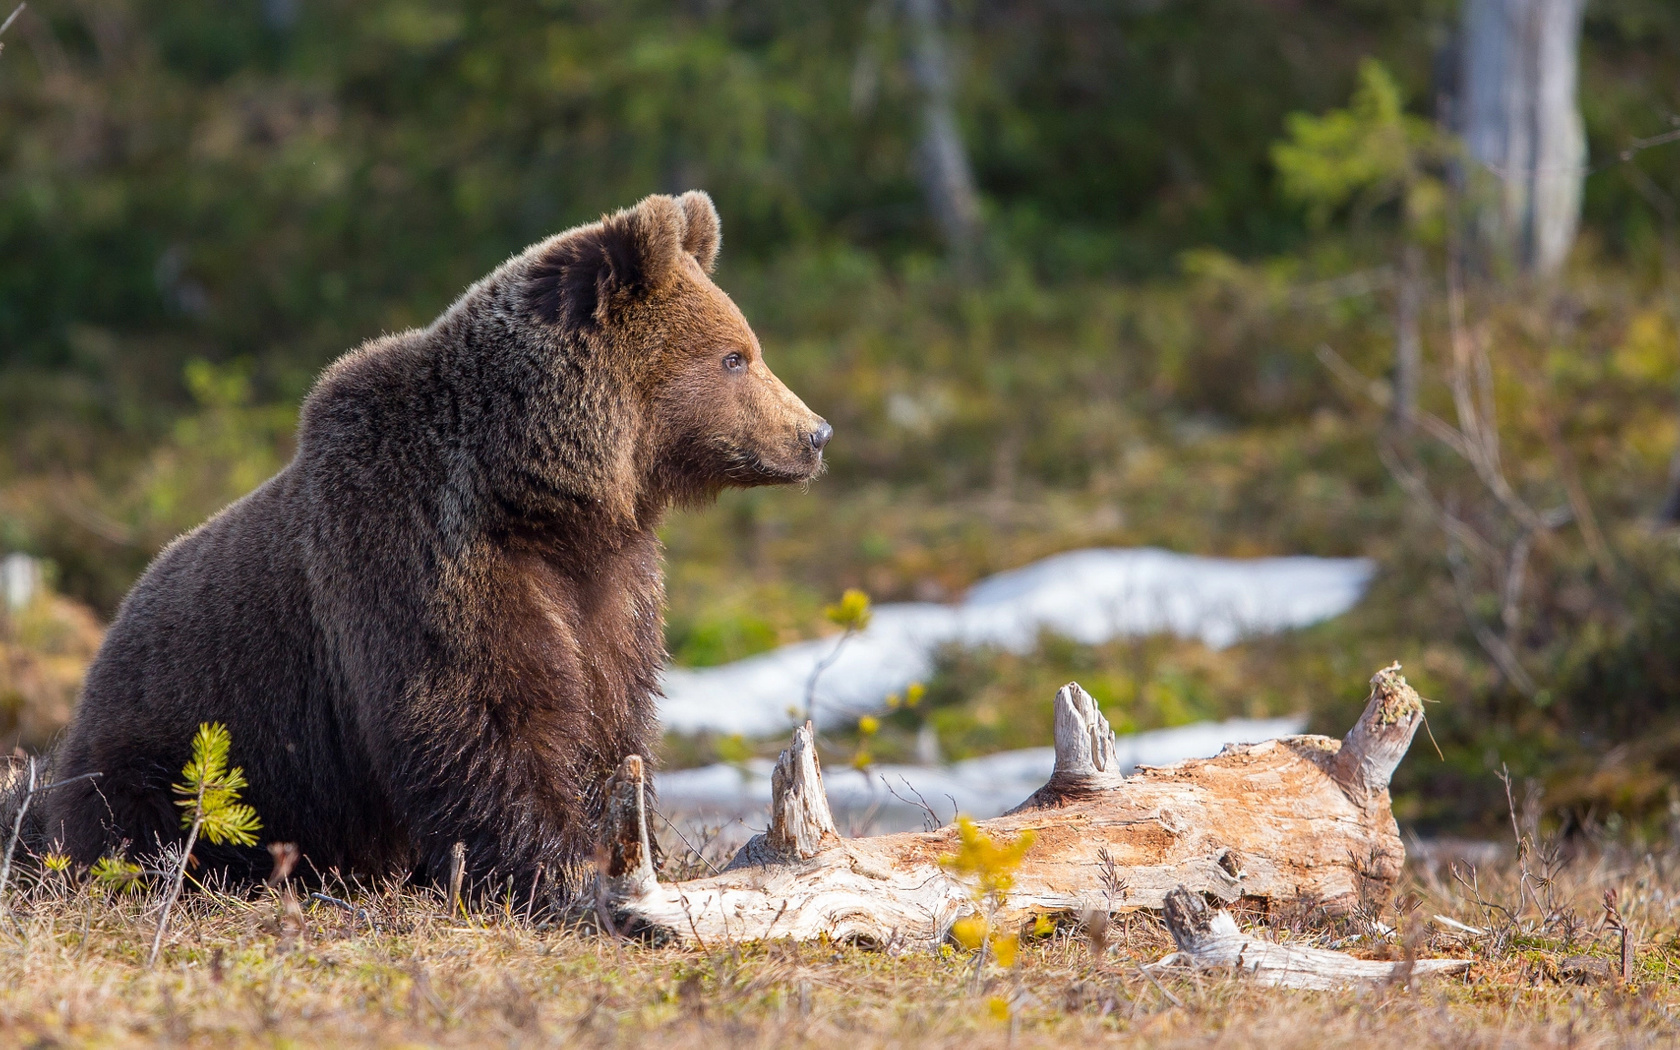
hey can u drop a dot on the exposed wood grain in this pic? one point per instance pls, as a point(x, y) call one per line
point(1086, 762)
point(1303, 819)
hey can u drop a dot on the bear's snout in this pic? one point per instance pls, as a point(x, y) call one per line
point(818, 438)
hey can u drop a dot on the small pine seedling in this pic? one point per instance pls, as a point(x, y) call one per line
point(209, 795)
point(210, 791)
point(117, 875)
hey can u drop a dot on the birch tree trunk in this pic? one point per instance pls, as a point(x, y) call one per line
point(1522, 126)
point(946, 179)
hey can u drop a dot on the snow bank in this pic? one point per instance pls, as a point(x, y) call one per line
point(979, 787)
point(1091, 596)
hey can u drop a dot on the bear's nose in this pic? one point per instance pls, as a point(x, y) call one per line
point(819, 437)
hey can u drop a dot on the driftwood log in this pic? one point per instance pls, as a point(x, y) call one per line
point(1302, 820)
point(1209, 939)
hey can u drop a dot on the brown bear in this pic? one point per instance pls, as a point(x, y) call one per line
point(443, 621)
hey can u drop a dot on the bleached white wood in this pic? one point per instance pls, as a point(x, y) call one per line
point(800, 822)
point(1084, 742)
point(1303, 817)
point(1086, 759)
point(1209, 939)
point(1459, 927)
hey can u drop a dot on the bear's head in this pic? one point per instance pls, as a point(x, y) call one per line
point(681, 400)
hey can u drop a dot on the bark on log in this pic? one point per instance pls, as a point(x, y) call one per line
point(1377, 742)
point(1300, 819)
point(626, 868)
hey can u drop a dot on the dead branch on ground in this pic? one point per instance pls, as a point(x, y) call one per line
point(1277, 823)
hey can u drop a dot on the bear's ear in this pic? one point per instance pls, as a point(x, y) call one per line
point(704, 234)
point(629, 254)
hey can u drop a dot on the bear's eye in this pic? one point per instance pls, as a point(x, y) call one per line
point(734, 362)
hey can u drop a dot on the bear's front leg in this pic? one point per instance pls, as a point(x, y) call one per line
point(524, 809)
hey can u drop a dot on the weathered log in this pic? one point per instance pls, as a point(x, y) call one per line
point(1302, 819)
point(1209, 939)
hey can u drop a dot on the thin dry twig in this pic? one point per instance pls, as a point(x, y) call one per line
point(932, 820)
point(1498, 648)
point(1175, 1000)
point(817, 672)
point(1475, 439)
point(1576, 493)
point(700, 856)
point(1614, 921)
point(17, 824)
point(7, 24)
point(23, 805)
point(180, 874)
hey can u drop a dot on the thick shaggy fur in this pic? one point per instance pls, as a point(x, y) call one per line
point(443, 620)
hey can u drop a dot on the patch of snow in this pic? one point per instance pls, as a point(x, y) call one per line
point(978, 787)
point(1090, 596)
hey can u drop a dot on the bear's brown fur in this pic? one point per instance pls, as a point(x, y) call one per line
point(443, 620)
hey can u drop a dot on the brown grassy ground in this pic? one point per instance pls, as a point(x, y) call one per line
point(248, 971)
point(45, 650)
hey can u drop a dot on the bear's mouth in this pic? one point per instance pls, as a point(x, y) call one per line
point(748, 467)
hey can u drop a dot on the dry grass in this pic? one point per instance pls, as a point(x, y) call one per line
point(45, 650)
point(249, 970)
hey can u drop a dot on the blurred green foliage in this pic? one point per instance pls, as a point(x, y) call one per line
point(204, 201)
point(279, 179)
point(715, 639)
point(1369, 153)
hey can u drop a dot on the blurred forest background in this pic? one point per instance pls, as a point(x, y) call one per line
point(1213, 275)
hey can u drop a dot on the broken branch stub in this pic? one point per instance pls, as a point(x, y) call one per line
point(800, 822)
point(1086, 760)
point(1300, 819)
point(1377, 742)
point(626, 869)
point(801, 825)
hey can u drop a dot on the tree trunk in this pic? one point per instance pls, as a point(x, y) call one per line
point(1522, 127)
point(946, 178)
